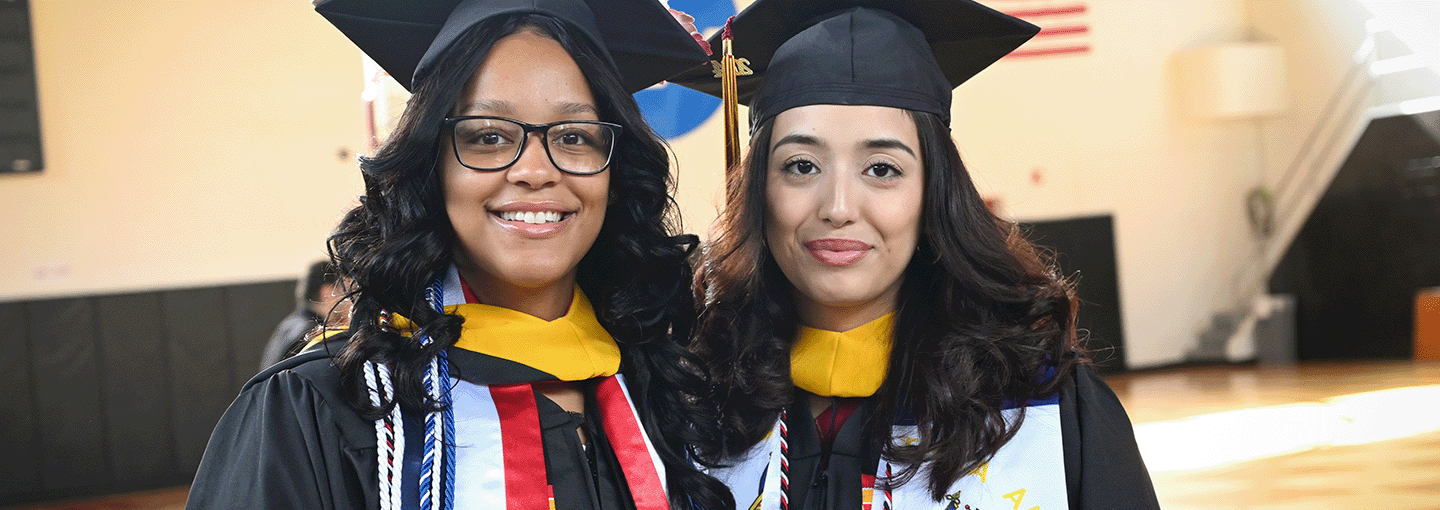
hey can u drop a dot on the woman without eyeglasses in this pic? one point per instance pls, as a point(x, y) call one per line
point(521, 303)
point(878, 338)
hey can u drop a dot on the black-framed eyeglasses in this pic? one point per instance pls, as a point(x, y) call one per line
point(581, 147)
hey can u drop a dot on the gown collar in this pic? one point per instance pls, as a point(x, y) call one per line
point(843, 364)
point(500, 346)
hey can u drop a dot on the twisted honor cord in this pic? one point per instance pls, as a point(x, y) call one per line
point(381, 389)
point(390, 433)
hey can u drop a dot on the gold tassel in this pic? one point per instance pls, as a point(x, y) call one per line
point(732, 108)
point(729, 97)
point(728, 69)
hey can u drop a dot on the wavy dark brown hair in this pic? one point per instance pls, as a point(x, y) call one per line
point(982, 318)
point(399, 239)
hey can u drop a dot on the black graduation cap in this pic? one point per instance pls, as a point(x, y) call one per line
point(899, 53)
point(641, 38)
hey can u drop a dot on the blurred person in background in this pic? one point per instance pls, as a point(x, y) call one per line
point(319, 303)
point(521, 300)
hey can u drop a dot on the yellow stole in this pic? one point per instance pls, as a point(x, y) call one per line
point(843, 364)
point(574, 347)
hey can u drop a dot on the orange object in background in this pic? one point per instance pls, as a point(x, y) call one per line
point(1427, 324)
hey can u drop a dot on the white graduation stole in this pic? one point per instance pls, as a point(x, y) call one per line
point(1028, 473)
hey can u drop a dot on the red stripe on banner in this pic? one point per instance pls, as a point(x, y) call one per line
point(525, 485)
point(1066, 30)
point(1049, 11)
point(628, 440)
point(1040, 52)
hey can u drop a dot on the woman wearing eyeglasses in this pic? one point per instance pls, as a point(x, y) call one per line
point(520, 301)
point(878, 338)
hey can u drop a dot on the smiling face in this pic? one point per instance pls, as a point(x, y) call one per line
point(843, 194)
point(523, 230)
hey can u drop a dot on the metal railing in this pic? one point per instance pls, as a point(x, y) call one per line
point(1293, 196)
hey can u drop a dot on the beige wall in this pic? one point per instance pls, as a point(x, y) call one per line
point(187, 143)
point(1106, 133)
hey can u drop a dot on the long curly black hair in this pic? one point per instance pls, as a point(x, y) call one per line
point(637, 274)
point(982, 317)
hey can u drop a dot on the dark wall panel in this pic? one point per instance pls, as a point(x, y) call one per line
point(20, 472)
point(118, 393)
point(201, 366)
point(1084, 248)
point(67, 387)
point(137, 384)
point(20, 149)
point(252, 312)
point(1372, 241)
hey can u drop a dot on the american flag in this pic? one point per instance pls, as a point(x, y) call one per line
point(1064, 27)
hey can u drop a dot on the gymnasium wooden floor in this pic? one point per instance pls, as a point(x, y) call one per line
point(1312, 436)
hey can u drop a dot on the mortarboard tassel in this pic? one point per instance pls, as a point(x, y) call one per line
point(729, 97)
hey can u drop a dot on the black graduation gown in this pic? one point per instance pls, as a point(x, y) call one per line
point(1103, 468)
point(290, 441)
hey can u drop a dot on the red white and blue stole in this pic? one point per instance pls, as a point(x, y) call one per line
point(1027, 473)
point(499, 458)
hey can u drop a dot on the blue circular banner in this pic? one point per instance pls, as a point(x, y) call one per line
point(674, 110)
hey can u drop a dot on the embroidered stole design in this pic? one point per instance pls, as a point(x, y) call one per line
point(1027, 473)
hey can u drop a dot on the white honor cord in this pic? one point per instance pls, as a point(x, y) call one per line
point(389, 442)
